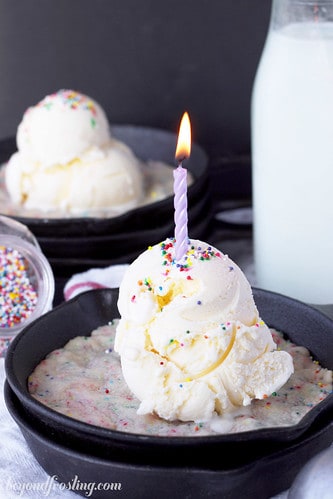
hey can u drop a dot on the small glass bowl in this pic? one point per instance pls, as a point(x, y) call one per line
point(37, 271)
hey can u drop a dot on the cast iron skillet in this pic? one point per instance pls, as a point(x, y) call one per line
point(303, 324)
point(148, 144)
point(261, 477)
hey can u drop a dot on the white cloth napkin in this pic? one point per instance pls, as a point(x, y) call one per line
point(109, 277)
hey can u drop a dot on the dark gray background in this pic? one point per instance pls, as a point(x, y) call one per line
point(144, 61)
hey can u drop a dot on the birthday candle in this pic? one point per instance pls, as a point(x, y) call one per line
point(180, 216)
point(183, 151)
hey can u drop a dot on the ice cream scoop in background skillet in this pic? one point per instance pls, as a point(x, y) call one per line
point(74, 175)
point(68, 163)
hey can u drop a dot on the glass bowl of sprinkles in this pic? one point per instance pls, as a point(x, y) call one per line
point(26, 280)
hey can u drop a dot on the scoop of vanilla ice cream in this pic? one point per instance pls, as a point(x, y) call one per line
point(61, 127)
point(99, 179)
point(190, 337)
point(67, 160)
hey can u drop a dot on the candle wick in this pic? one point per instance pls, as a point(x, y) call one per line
point(180, 160)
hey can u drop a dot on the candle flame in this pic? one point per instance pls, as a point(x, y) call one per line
point(183, 149)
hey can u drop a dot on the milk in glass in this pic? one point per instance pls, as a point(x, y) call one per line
point(292, 162)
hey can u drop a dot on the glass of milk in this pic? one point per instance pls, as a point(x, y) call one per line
point(292, 153)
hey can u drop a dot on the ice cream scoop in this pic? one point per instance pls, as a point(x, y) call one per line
point(191, 340)
point(68, 160)
point(61, 127)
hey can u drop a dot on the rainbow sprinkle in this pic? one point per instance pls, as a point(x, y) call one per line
point(72, 99)
point(18, 297)
point(193, 253)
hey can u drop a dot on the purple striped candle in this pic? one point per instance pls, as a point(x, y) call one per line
point(183, 151)
point(180, 216)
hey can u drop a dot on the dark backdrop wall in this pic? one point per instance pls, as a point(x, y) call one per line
point(145, 61)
